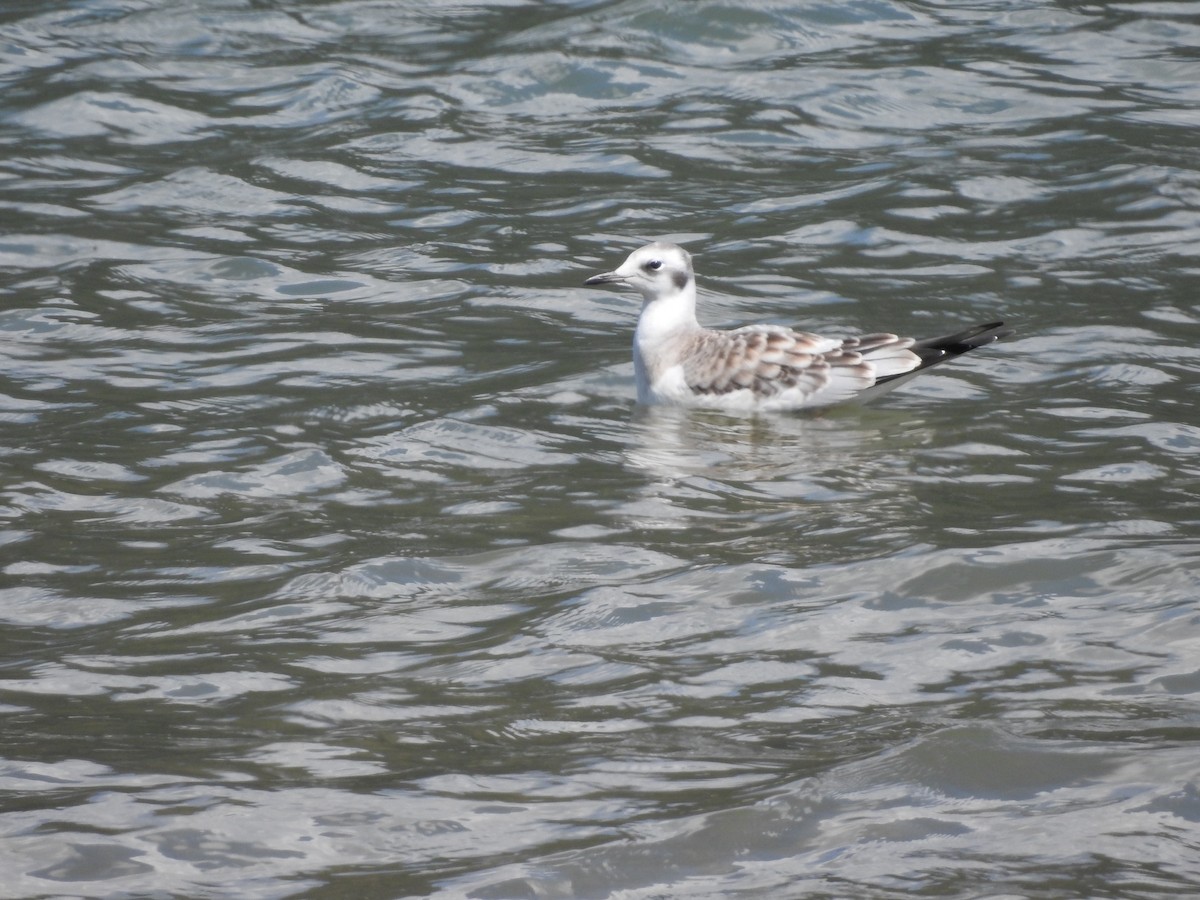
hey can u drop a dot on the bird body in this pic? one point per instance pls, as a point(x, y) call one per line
point(759, 367)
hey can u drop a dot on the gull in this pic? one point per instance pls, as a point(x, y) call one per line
point(760, 368)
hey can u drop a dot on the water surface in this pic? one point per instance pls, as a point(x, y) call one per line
point(338, 560)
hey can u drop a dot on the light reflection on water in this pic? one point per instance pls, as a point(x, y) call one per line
point(337, 558)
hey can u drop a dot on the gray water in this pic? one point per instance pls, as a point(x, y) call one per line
point(339, 562)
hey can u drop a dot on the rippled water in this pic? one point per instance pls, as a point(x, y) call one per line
point(339, 562)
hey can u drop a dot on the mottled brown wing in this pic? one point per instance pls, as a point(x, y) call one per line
point(771, 362)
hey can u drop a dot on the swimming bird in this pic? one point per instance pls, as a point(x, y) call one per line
point(760, 367)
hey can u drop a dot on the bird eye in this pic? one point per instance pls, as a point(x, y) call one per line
point(654, 265)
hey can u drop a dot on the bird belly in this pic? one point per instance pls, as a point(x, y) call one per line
point(668, 387)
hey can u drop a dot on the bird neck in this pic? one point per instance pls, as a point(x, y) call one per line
point(666, 315)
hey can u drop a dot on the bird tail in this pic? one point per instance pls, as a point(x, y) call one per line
point(934, 351)
point(928, 352)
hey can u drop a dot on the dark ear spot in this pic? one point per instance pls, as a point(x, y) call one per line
point(680, 279)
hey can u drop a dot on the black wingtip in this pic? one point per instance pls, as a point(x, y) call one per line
point(968, 339)
point(934, 351)
point(963, 341)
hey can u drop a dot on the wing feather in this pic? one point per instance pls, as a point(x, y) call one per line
point(790, 368)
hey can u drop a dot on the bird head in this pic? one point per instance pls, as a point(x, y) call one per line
point(657, 270)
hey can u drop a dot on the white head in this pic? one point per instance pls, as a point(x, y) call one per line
point(659, 271)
